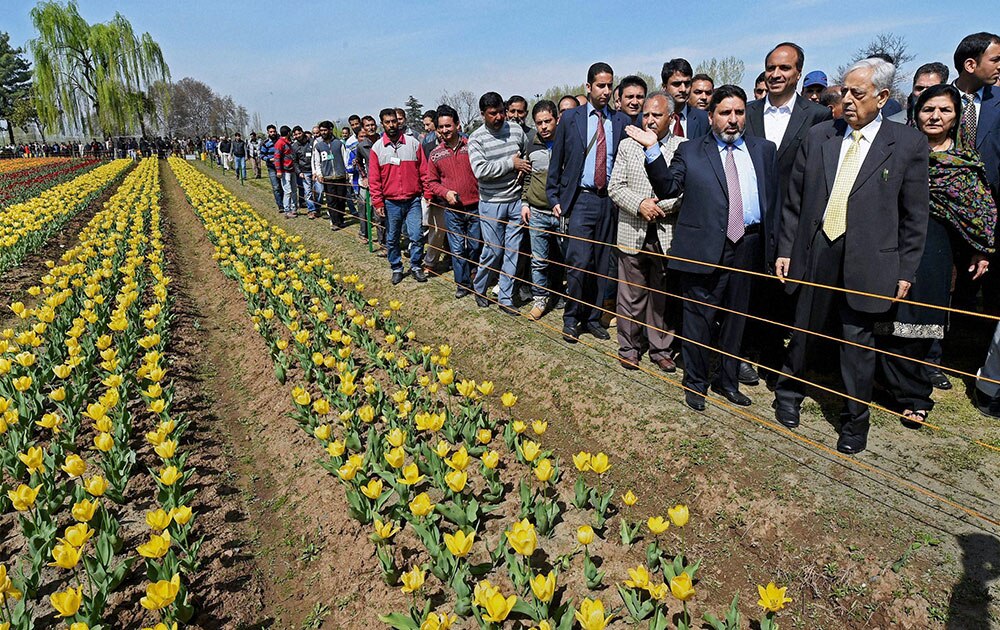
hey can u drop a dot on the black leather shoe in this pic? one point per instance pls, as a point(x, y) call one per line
point(598, 331)
point(734, 396)
point(482, 302)
point(937, 378)
point(419, 275)
point(397, 277)
point(461, 292)
point(509, 310)
point(852, 444)
point(985, 404)
point(747, 375)
point(571, 334)
point(694, 401)
point(786, 415)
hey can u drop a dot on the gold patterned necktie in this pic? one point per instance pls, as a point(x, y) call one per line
point(835, 219)
point(968, 128)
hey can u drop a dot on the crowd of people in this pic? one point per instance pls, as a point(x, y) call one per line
point(679, 211)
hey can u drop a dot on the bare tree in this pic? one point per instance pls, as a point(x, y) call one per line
point(895, 47)
point(725, 71)
point(466, 103)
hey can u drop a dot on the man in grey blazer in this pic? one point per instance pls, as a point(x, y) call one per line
point(855, 216)
point(646, 317)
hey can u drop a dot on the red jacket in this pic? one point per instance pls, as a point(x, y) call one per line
point(284, 157)
point(450, 170)
point(394, 170)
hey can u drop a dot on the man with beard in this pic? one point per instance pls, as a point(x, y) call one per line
point(330, 173)
point(267, 156)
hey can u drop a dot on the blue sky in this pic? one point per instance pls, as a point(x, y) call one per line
point(299, 62)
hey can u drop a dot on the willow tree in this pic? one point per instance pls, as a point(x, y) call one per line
point(87, 75)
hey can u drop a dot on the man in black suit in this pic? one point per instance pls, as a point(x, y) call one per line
point(689, 122)
point(855, 216)
point(785, 118)
point(729, 183)
point(583, 154)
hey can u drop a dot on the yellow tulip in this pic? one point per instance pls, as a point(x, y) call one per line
point(599, 463)
point(396, 437)
point(459, 544)
point(490, 459)
point(104, 442)
point(456, 480)
point(77, 535)
point(437, 621)
point(411, 475)
point(181, 514)
point(638, 577)
point(539, 427)
point(659, 591)
point(386, 530)
point(497, 606)
point(7, 586)
point(530, 450)
point(544, 586)
point(591, 615)
point(169, 475)
point(23, 498)
point(322, 432)
point(442, 448)
point(421, 505)
point(166, 449)
point(657, 525)
point(458, 461)
point(772, 598)
point(51, 421)
point(347, 471)
point(372, 489)
point(485, 388)
point(585, 535)
point(84, 510)
point(22, 383)
point(67, 602)
point(366, 413)
point(336, 448)
point(483, 436)
point(33, 460)
point(74, 466)
point(96, 486)
point(412, 580)
point(582, 461)
point(161, 594)
point(544, 470)
point(158, 520)
point(522, 537)
point(466, 388)
point(681, 587)
point(508, 399)
point(446, 377)
point(518, 426)
point(157, 547)
point(678, 515)
point(629, 498)
point(65, 556)
point(396, 457)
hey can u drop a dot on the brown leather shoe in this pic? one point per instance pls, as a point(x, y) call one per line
point(536, 312)
point(666, 364)
point(627, 364)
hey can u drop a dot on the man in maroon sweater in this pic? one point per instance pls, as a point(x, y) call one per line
point(284, 168)
point(449, 181)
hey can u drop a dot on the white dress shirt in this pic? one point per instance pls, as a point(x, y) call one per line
point(776, 119)
point(748, 178)
point(684, 119)
point(868, 133)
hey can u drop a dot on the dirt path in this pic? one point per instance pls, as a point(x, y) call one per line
point(766, 505)
point(290, 554)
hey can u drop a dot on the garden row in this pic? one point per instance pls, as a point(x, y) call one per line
point(19, 164)
point(467, 507)
point(86, 429)
point(18, 186)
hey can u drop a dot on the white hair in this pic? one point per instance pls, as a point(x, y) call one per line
point(670, 101)
point(883, 72)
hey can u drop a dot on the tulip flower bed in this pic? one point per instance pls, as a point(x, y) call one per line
point(26, 226)
point(18, 164)
point(26, 183)
point(83, 390)
point(467, 507)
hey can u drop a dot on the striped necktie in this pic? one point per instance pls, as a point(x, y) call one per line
point(968, 128)
point(735, 227)
point(835, 219)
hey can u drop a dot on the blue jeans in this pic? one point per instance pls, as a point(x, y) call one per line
point(276, 188)
point(240, 166)
point(291, 201)
point(546, 253)
point(399, 213)
point(501, 227)
point(464, 241)
point(305, 189)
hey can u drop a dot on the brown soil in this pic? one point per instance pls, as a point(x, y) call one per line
point(764, 505)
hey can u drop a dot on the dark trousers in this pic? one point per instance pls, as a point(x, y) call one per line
point(717, 288)
point(641, 278)
point(593, 219)
point(857, 364)
point(335, 200)
point(765, 341)
point(906, 381)
point(464, 241)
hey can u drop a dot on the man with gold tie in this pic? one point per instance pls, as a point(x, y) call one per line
point(855, 216)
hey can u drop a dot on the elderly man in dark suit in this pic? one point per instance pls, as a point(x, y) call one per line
point(583, 154)
point(729, 183)
point(855, 216)
point(785, 118)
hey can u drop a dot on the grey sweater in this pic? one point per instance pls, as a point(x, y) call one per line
point(491, 155)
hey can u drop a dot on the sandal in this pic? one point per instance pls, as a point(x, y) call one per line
point(914, 419)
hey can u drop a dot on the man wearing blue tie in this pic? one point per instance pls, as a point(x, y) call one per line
point(729, 184)
point(583, 154)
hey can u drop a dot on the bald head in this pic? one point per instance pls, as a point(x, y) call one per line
point(656, 114)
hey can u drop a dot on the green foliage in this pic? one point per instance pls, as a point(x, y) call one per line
point(725, 71)
point(15, 85)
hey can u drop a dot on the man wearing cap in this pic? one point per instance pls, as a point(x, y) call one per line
point(813, 85)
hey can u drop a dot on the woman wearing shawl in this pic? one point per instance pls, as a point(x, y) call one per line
point(959, 235)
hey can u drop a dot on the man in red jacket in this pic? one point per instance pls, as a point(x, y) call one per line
point(284, 167)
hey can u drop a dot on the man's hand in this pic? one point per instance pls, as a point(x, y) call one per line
point(979, 265)
point(363, 182)
point(380, 211)
point(522, 165)
point(556, 211)
point(452, 197)
point(642, 136)
point(781, 268)
point(649, 210)
point(525, 213)
point(902, 289)
point(318, 179)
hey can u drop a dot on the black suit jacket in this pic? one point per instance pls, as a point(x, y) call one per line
point(697, 123)
point(805, 114)
point(569, 154)
point(887, 210)
point(988, 137)
point(697, 173)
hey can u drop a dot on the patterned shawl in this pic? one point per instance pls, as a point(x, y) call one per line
point(960, 196)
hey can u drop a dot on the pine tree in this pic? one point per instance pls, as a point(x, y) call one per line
point(15, 83)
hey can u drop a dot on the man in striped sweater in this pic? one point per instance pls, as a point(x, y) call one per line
point(495, 151)
point(395, 165)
